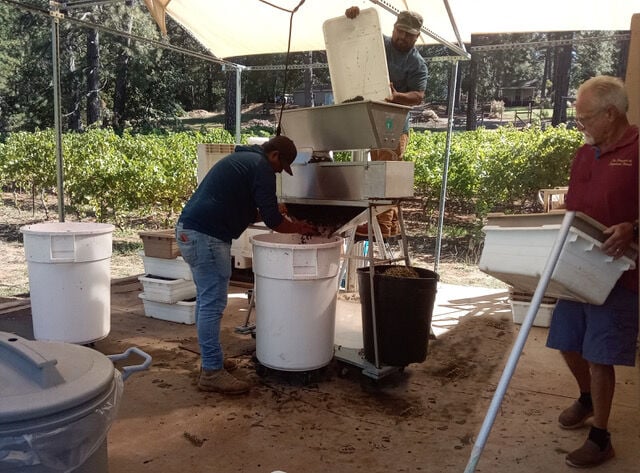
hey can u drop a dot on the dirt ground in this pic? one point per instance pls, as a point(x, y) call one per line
point(425, 418)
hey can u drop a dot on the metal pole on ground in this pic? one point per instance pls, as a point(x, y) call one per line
point(445, 169)
point(55, 50)
point(518, 346)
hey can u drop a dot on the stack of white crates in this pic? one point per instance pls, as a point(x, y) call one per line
point(168, 288)
point(520, 303)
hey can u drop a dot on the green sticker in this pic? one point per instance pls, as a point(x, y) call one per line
point(389, 123)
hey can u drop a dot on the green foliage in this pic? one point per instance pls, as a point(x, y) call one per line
point(492, 170)
point(109, 176)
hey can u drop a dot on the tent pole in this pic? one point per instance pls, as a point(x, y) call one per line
point(518, 346)
point(445, 170)
point(55, 57)
point(238, 102)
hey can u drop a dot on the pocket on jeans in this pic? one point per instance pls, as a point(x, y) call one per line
point(187, 243)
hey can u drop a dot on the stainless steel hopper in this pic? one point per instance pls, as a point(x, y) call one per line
point(355, 125)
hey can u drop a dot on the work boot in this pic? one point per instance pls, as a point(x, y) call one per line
point(230, 364)
point(220, 381)
point(589, 455)
point(574, 416)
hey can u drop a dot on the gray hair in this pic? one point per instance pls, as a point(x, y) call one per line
point(607, 90)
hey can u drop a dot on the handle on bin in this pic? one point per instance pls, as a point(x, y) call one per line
point(43, 366)
point(305, 262)
point(127, 370)
point(63, 248)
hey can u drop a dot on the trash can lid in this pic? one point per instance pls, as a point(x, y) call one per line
point(76, 228)
point(44, 378)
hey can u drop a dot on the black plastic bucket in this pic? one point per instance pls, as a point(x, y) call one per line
point(404, 306)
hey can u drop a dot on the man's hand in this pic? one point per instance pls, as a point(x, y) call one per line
point(621, 236)
point(352, 12)
point(411, 98)
point(305, 228)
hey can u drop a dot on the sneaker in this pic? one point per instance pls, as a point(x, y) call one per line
point(589, 455)
point(574, 416)
point(220, 381)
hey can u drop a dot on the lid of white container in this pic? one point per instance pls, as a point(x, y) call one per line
point(40, 379)
point(76, 228)
point(356, 57)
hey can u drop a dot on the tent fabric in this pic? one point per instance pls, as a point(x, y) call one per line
point(231, 28)
point(158, 9)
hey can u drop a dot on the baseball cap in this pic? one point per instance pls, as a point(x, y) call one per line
point(286, 149)
point(409, 21)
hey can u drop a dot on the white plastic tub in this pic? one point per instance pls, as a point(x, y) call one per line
point(69, 265)
point(183, 312)
point(516, 249)
point(519, 311)
point(176, 268)
point(167, 290)
point(356, 57)
point(296, 282)
point(241, 248)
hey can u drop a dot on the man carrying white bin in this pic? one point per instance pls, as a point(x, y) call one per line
point(593, 338)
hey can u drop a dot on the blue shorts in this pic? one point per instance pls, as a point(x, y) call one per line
point(606, 334)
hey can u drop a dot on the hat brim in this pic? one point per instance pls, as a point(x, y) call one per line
point(286, 167)
point(408, 29)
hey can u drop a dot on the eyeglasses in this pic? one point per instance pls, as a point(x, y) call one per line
point(585, 120)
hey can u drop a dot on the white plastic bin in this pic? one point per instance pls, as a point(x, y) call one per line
point(356, 57)
point(517, 247)
point(69, 266)
point(296, 282)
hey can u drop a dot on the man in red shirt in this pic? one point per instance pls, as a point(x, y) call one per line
point(592, 339)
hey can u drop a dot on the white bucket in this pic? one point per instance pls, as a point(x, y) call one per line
point(69, 267)
point(296, 283)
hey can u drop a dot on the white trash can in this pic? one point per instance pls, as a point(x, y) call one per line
point(296, 284)
point(69, 266)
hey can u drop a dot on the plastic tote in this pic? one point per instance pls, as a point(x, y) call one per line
point(296, 284)
point(58, 402)
point(404, 307)
point(69, 265)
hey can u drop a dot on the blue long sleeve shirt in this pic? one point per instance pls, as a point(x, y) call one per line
point(225, 202)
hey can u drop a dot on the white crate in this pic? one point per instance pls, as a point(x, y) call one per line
point(209, 154)
point(516, 253)
point(183, 312)
point(175, 268)
point(241, 248)
point(519, 311)
point(167, 290)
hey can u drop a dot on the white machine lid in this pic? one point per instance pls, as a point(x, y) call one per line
point(40, 378)
point(356, 57)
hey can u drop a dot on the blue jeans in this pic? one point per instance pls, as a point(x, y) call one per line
point(210, 263)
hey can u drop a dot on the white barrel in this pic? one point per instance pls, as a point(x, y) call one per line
point(296, 283)
point(69, 265)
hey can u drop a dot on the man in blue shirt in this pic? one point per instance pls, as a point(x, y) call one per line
point(237, 191)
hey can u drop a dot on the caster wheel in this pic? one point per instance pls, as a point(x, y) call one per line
point(261, 370)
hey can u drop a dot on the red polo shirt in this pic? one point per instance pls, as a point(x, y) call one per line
point(604, 185)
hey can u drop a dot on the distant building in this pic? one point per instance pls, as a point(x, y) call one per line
point(322, 95)
point(519, 94)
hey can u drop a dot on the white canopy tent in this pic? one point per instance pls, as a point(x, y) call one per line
point(230, 28)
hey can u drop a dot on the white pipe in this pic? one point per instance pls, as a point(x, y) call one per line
point(518, 346)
